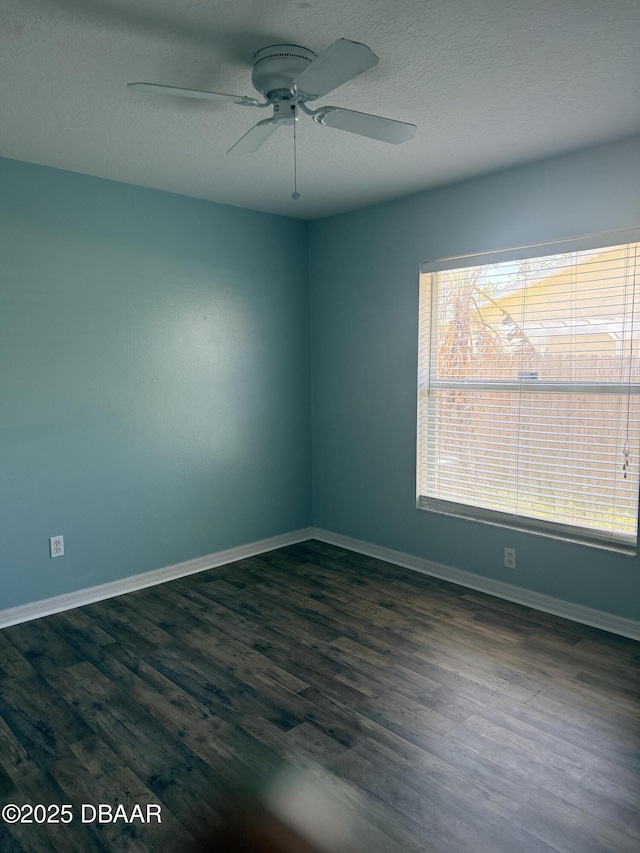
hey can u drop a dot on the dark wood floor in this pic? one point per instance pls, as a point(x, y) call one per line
point(463, 723)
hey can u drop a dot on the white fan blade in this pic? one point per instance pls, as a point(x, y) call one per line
point(157, 89)
point(254, 138)
point(341, 61)
point(376, 127)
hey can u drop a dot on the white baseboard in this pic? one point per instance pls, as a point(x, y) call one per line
point(27, 612)
point(537, 601)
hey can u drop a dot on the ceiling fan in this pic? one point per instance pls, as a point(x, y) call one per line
point(288, 77)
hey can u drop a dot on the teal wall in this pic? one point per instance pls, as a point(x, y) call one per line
point(155, 372)
point(154, 394)
point(364, 307)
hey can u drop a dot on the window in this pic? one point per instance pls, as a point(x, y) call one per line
point(529, 389)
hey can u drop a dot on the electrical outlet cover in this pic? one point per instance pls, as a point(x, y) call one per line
point(56, 546)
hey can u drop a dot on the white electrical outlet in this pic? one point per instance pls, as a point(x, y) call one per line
point(56, 546)
point(509, 558)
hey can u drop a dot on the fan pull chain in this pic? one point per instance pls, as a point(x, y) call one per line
point(295, 195)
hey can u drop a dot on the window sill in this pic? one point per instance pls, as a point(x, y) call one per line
point(522, 524)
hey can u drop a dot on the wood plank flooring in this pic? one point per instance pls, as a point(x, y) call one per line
point(454, 721)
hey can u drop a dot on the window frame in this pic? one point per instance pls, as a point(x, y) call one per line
point(620, 542)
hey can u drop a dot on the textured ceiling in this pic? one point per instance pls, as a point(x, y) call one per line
point(490, 84)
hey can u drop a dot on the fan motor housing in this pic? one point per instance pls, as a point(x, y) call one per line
point(276, 67)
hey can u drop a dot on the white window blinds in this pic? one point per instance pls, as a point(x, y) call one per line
point(529, 391)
